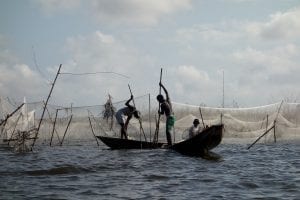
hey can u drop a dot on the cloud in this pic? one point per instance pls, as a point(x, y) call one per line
point(190, 73)
point(190, 83)
point(52, 6)
point(119, 12)
point(279, 60)
point(135, 11)
point(19, 80)
point(98, 51)
point(282, 25)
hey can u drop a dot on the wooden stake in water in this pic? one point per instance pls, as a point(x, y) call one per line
point(39, 126)
point(93, 131)
point(11, 114)
point(62, 140)
point(201, 117)
point(53, 129)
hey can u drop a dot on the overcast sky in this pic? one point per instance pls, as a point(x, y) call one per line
point(254, 42)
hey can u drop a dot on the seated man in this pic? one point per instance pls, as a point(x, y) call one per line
point(124, 115)
point(195, 128)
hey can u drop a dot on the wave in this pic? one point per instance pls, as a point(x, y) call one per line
point(67, 169)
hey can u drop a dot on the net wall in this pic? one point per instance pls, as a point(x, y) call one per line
point(61, 125)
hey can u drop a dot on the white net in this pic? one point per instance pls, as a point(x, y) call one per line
point(62, 125)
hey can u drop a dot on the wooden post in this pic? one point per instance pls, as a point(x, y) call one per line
point(11, 114)
point(93, 131)
point(201, 117)
point(53, 129)
point(221, 118)
point(150, 116)
point(11, 137)
point(66, 130)
point(261, 136)
point(39, 126)
point(274, 132)
point(267, 123)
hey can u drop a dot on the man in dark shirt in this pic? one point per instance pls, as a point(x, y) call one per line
point(124, 115)
point(166, 108)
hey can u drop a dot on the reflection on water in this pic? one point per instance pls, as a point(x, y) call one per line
point(89, 172)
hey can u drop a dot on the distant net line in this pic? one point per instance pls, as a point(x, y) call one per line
point(91, 73)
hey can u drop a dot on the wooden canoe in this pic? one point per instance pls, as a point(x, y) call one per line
point(201, 143)
point(118, 143)
point(198, 145)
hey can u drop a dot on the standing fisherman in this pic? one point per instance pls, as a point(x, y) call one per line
point(127, 113)
point(166, 108)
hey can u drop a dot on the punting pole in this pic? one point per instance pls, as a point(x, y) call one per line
point(39, 126)
point(141, 127)
point(155, 139)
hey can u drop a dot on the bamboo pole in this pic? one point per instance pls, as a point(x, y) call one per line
point(66, 130)
point(139, 119)
point(155, 139)
point(149, 110)
point(201, 117)
point(221, 118)
point(11, 114)
point(261, 136)
point(93, 131)
point(39, 126)
point(52, 122)
point(267, 123)
point(53, 129)
point(276, 119)
point(10, 139)
point(274, 132)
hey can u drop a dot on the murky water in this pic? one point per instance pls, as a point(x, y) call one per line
point(86, 171)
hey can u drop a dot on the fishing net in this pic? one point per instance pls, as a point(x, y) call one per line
point(62, 125)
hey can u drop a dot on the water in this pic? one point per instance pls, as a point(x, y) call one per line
point(86, 171)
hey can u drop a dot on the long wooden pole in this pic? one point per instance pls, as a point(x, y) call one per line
point(39, 126)
point(53, 129)
point(267, 131)
point(11, 114)
point(66, 130)
point(149, 109)
point(93, 131)
point(155, 139)
point(201, 117)
point(141, 127)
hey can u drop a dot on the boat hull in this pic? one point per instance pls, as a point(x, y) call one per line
point(200, 144)
point(118, 143)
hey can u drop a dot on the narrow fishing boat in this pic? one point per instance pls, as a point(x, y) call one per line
point(198, 145)
point(201, 143)
point(118, 143)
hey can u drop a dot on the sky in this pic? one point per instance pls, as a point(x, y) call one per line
point(253, 45)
